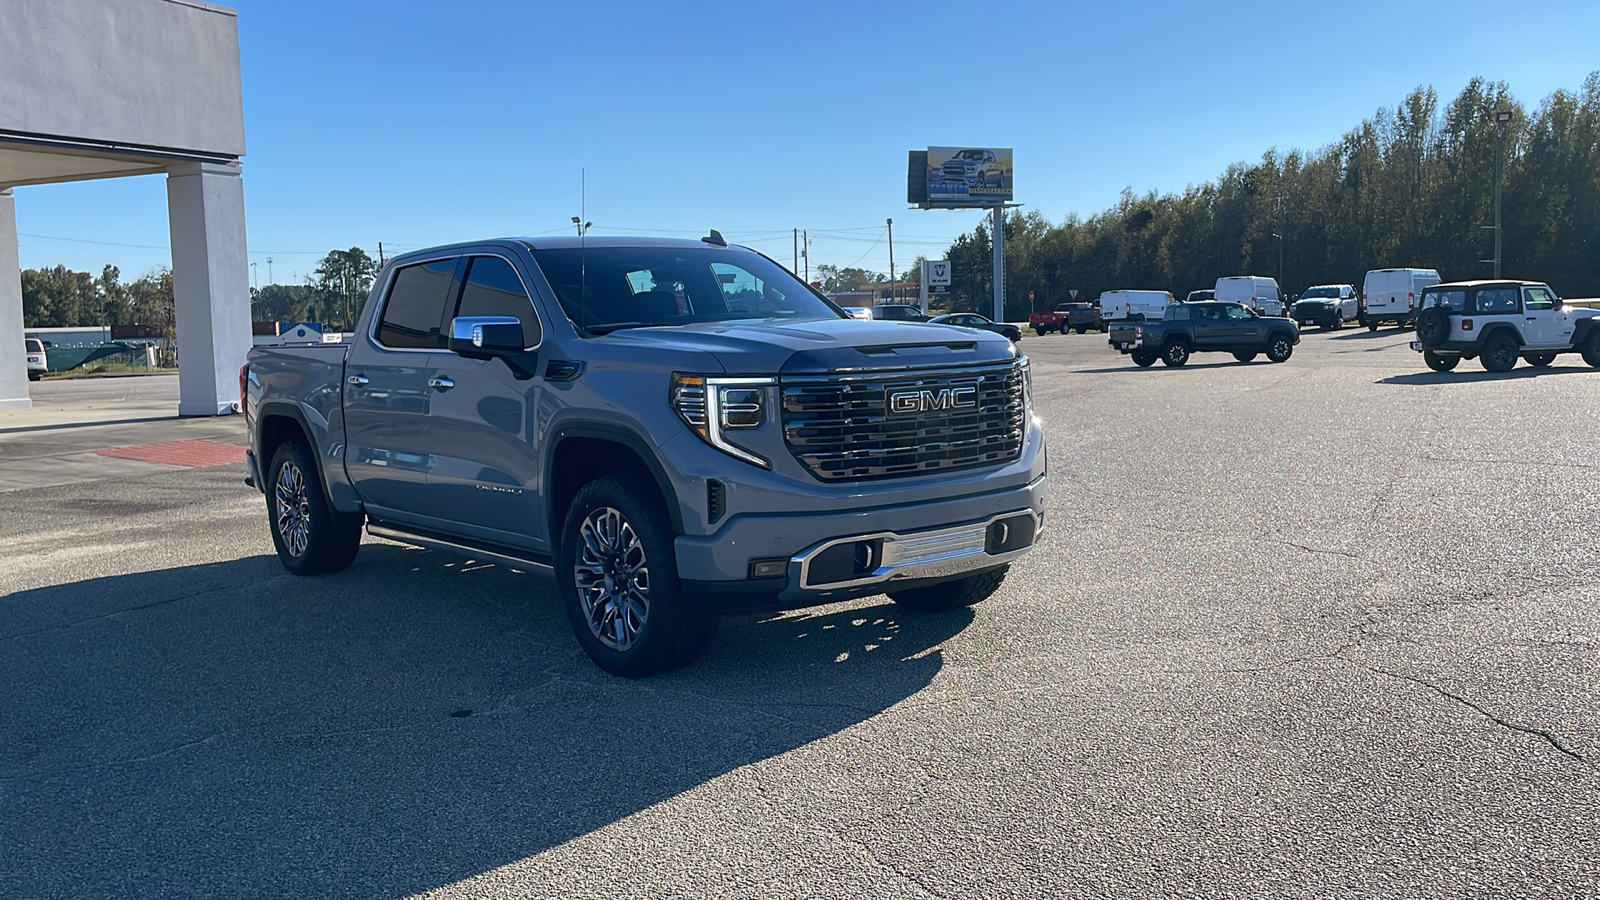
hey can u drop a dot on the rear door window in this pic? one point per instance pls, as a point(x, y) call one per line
point(493, 288)
point(413, 315)
point(1496, 301)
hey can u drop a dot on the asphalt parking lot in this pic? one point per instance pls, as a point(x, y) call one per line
point(1324, 628)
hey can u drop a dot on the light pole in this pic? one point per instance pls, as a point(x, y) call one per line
point(891, 258)
point(583, 227)
point(254, 281)
point(1501, 117)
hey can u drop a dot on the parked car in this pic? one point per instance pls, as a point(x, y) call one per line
point(1327, 305)
point(1190, 328)
point(1044, 323)
point(1390, 295)
point(37, 366)
point(1201, 296)
point(1070, 316)
point(858, 312)
point(983, 323)
point(1251, 291)
point(899, 312)
point(634, 416)
point(1117, 306)
point(1500, 322)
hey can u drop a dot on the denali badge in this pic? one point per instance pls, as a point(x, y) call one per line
point(906, 402)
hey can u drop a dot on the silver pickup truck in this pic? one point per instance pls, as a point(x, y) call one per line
point(675, 429)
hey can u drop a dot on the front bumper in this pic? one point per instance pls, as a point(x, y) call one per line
point(835, 557)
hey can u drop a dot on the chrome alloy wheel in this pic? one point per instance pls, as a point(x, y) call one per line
point(613, 578)
point(293, 509)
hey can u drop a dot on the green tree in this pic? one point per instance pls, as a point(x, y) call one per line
point(345, 277)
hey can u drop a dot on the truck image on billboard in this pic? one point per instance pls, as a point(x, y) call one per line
point(969, 176)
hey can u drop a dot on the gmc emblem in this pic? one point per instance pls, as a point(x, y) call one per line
point(907, 402)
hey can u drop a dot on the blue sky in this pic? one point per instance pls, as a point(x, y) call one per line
point(412, 125)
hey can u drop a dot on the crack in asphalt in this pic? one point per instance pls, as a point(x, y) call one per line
point(1513, 726)
point(1355, 556)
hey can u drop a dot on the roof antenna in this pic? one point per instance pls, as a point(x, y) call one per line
point(715, 239)
point(583, 251)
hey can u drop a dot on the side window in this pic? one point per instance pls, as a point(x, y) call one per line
point(493, 289)
point(1497, 301)
point(1238, 313)
point(414, 311)
point(1537, 298)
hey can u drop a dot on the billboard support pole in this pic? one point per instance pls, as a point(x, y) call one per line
point(999, 243)
point(922, 289)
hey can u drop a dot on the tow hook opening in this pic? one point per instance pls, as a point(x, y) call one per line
point(848, 561)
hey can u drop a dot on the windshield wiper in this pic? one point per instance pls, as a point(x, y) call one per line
point(609, 327)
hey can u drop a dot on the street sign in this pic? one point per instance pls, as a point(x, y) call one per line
point(1074, 294)
point(936, 272)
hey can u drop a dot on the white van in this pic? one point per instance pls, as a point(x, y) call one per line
point(1115, 305)
point(36, 361)
point(1390, 295)
point(1253, 292)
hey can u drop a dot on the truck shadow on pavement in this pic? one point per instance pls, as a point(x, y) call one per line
point(1479, 375)
point(228, 729)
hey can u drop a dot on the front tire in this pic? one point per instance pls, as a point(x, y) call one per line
point(312, 538)
point(1144, 357)
point(1542, 360)
point(619, 580)
point(1175, 354)
point(1372, 326)
point(969, 591)
point(1279, 349)
point(1439, 363)
point(1591, 351)
point(1500, 354)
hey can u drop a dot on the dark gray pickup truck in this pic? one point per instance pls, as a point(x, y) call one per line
point(1189, 328)
point(674, 429)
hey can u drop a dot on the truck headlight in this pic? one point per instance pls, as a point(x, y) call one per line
point(715, 407)
point(1027, 383)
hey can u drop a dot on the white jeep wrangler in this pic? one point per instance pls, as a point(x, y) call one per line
point(1499, 322)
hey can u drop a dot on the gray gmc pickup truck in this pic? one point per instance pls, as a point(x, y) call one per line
point(675, 429)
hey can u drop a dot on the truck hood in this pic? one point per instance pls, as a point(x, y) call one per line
point(775, 346)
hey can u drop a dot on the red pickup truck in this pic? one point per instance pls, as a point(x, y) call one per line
point(1079, 317)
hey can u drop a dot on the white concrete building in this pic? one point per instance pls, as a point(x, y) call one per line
point(110, 88)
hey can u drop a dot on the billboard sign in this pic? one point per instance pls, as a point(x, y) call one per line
point(968, 176)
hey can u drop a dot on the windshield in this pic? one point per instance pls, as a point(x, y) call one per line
point(602, 289)
point(1313, 293)
point(970, 154)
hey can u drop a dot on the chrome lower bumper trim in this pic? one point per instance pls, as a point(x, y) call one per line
point(939, 553)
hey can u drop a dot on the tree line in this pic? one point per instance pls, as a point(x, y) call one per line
point(1413, 186)
point(59, 297)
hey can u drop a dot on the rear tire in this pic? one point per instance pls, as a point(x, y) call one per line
point(1499, 354)
point(629, 613)
point(312, 538)
point(1144, 357)
point(968, 591)
point(1175, 354)
point(1243, 357)
point(1439, 363)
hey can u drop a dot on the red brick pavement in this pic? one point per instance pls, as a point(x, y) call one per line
point(181, 453)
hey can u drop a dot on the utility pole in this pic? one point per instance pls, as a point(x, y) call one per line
point(380, 254)
point(796, 251)
point(1279, 236)
point(999, 264)
point(805, 252)
point(1501, 117)
point(891, 258)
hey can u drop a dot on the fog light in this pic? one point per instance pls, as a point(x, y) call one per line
point(769, 568)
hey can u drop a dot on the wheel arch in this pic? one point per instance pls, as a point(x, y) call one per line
point(1496, 329)
point(582, 452)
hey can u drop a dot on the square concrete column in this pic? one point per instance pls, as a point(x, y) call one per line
point(13, 361)
point(210, 284)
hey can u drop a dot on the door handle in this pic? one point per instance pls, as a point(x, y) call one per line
point(356, 381)
point(1530, 319)
point(441, 384)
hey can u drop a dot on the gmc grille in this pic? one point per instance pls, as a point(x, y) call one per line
point(841, 427)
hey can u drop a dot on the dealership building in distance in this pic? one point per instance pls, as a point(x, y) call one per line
point(111, 88)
